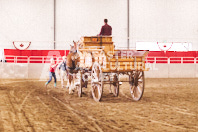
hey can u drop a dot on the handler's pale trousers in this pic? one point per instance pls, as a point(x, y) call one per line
point(63, 74)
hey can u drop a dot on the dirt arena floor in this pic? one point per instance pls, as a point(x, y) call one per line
point(167, 105)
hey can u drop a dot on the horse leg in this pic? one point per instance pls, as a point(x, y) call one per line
point(67, 78)
point(73, 83)
point(110, 90)
point(67, 84)
point(70, 84)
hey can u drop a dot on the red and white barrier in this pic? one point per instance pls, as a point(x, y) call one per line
point(43, 56)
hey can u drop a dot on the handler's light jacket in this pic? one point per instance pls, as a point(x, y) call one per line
point(63, 66)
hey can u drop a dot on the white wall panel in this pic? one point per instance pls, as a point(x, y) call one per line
point(182, 70)
point(157, 70)
point(14, 71)
point(76, 18)
point(40, 71)
point(164, 21)
point(196, 71)
point(150, 21)
point(26, 20)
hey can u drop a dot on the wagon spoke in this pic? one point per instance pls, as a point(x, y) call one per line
point(136, 92)
point(94, 72)
point(138, 73)
point(100, 77)
point(141, 85)
point(94, 75)
point(132, 89)
point(140, 76)
point(99, 90)
point(138, 88)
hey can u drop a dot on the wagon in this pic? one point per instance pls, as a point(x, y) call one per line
point(100, 60)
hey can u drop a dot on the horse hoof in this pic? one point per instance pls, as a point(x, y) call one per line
point(71, 92)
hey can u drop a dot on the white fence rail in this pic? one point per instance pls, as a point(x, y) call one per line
point(46, 59)
point(30, 59)
point(170, 60)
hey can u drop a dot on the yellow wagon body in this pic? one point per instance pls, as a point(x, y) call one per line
point(105, 63)
point(103, 51)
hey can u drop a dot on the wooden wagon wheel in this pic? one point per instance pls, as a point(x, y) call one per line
point(96, 82)
point(79, 86)
point(115, 85)
point(137, 85)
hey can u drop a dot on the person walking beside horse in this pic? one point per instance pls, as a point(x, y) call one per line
point(62, 71)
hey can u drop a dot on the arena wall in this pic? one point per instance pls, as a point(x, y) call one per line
point(164, 21)
point(196, 71)
point(172, 71)
point(157, 71)
point(40, 71)
point(150, 21)
point(24, 71)
point(27, 20)
point(14, 71)
point(76, 18)
point(34, 64)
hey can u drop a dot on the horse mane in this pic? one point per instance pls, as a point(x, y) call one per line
point(73, 57)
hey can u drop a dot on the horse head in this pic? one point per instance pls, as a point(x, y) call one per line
point(73, 58)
